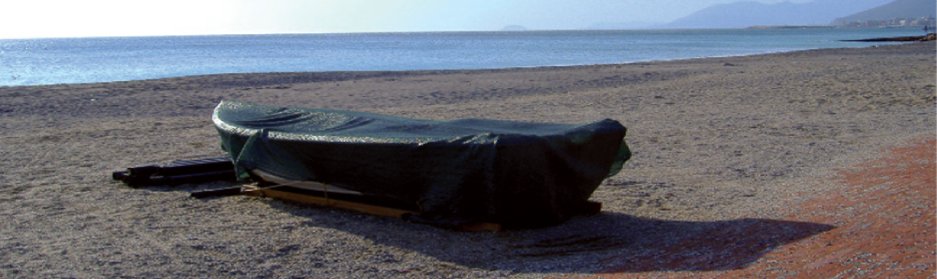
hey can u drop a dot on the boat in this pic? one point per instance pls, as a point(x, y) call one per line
point(518, 174)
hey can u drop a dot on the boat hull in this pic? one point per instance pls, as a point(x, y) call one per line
point(513, 173)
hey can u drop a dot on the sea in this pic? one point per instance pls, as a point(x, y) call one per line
point(88, 60)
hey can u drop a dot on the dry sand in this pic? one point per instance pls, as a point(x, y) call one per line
point(738, 169)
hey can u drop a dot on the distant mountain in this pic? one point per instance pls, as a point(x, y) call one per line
point(896, 9)
point(746, 14)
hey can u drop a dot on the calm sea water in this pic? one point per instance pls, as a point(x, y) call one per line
point(82, 60)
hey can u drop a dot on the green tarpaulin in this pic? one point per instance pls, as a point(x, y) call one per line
point(470, 170)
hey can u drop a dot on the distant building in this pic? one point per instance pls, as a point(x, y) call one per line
point(895, 22)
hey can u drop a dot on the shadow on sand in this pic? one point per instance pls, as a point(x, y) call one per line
point(603, 243)
point(607, 242)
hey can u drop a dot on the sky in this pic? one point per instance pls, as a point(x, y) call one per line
point(97, 18)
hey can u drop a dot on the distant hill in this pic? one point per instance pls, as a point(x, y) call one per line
point(746, 14)
point(896, 9)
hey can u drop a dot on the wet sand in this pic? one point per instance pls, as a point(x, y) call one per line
point(742, 166)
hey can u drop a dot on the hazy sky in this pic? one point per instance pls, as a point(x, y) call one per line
point(82, 18)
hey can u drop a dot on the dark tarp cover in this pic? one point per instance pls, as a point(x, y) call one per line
point(470, 170)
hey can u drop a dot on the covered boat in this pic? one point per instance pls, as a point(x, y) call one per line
point(516, 174)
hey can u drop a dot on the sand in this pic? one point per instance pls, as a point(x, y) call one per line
point(742, 166)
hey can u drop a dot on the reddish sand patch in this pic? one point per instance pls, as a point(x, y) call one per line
point(884, 222)
point(884, 228)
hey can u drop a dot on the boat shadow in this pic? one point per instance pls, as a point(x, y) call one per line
point(607, 242)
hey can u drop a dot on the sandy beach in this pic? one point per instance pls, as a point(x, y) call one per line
point(795, 164)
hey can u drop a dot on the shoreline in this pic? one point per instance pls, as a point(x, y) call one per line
point(724, 149)
point(929, 37)
point(424, 71)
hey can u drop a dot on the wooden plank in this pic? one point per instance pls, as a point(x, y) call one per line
point(355, 206)
point(178, 172)
point(212, 193)
point(591, 208)
point(480, 227)
point(322, 201)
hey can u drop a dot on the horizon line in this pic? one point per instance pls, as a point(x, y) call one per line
point(657, 28)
